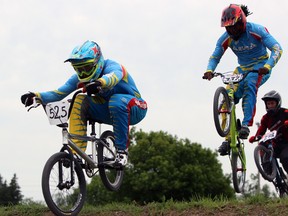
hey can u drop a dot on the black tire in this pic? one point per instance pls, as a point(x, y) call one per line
point(70, 199)
point(283, 187)
point(221, 111)
point(262, 156)
point(238, 171)
point(111, 177)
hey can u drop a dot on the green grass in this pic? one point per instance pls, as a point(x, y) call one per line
point(255, 205)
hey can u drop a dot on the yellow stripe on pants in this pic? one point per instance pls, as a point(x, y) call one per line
point(77, 125)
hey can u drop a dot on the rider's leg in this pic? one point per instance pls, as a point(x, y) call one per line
point(247, 90)
point(248, 93)
point(125, 110)
point(84, 107)
point(78, 120)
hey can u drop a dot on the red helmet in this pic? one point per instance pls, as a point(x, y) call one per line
point(234, 20)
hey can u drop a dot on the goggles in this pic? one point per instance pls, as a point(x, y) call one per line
point(84, 70)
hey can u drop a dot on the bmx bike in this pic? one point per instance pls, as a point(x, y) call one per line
point(268, 164)
point(63, 179)
point(227, 125)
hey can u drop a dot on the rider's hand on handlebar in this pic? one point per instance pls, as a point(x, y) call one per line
point(263, 71)
point(252, 139)
point(27, 99)
point(208, 75)
point(93, 87)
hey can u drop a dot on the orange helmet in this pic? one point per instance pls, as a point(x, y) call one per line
point(234, 20)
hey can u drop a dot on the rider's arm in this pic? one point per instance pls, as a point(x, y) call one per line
point(263, 126)
point(272, 44)
point(61, 92)
point(113, 73)
point(221, 46)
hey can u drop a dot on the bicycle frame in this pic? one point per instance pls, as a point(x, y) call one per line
point(227, 125)
point(67, 140)
point(233, 126)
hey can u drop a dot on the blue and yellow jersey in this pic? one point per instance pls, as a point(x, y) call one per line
point(250, 49)
point(115, 80)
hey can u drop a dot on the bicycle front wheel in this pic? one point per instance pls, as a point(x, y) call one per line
point(63, 186)
point(111, 177)
point(238, 164)
point(265, 162)
point(221, 111)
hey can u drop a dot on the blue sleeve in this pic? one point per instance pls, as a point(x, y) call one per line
point(221, 46)
point(270, 42)
point(61, 92)
point(113, 73)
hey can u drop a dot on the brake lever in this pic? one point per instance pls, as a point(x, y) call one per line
point(36, 102)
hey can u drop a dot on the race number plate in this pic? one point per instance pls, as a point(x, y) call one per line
point(234, 78)
point(57, 112)
point(268, 136)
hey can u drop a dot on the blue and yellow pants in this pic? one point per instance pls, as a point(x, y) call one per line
point(120, 111)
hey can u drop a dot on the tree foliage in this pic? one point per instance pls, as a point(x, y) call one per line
point(10, 194)
point(164, 167)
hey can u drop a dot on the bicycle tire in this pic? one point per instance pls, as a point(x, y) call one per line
point(238, 171)
point(283, 187)
point(111, 177)
point(261, 156)
point(68, 200)
point(222, 115)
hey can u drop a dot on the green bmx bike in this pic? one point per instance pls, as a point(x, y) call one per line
point(227, 125)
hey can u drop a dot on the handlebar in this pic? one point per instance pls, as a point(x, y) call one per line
point(37, 102)
point(236, 78)
point(256, 139)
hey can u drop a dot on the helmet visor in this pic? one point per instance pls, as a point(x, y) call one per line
point(235, 30)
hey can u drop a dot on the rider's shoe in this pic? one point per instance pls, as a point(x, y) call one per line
point(121, 158)
point(224, 148)
point(244, 132)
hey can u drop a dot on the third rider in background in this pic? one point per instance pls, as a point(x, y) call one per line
point(276, 118)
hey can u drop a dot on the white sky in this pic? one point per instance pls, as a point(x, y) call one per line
point(164, 44)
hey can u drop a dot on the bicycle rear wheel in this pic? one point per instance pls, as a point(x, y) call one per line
point(221, 111)
point(265, 162)
point(111, 176)
point(282, 187)
point(63, 187)
point(238, 164)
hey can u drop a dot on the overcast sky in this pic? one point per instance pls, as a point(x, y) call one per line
point(164, 44)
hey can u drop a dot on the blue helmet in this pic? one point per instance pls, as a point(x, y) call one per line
point(87, 61)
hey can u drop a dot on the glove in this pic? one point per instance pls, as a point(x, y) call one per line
point(286, 123)
point(252, 139)
point(93, 88)
point(208, 75)
point(263, 71)
point(27, 99)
